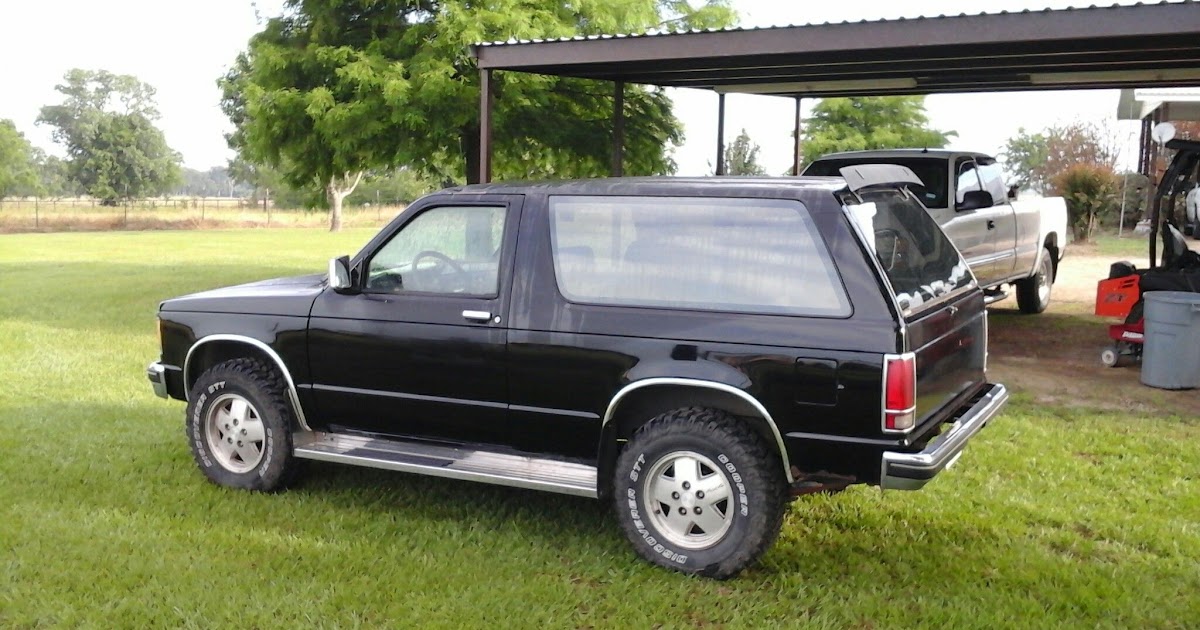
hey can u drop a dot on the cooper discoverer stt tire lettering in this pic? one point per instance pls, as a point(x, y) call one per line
point(698, 491)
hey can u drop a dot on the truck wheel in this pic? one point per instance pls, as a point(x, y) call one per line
point(239, 426)
point(1033, 293)
point(698, 492)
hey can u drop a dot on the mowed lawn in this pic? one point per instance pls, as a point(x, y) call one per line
point(1055, 517)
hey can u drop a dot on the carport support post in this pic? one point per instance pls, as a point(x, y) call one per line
point(485, 126)
point(721, 134)
point(617, 168)
point(796, 154)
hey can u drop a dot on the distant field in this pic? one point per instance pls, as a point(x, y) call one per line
point(1064, 513)
point(75, 215)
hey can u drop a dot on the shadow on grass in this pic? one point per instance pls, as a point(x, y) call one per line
point(116, 297)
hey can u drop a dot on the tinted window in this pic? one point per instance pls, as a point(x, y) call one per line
point(931, 172)
point(442, 250)
point(761, 256)
point(918, 259)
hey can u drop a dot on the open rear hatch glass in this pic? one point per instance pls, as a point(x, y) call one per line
point(943, 309)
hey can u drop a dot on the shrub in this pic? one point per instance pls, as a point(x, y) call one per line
point(1090, 190)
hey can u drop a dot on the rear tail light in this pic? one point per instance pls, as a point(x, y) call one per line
point(899, 392)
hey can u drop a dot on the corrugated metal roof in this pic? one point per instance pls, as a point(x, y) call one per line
point(665, 33)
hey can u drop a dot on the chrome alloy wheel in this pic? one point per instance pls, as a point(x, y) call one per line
point(1043, 281)
point(689, 500)
point(235, 433)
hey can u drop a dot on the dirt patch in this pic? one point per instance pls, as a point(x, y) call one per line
point(1055, 356)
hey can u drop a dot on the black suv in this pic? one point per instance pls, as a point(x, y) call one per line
point(696, 351)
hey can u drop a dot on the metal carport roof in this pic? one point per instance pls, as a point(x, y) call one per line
point(1142, 45)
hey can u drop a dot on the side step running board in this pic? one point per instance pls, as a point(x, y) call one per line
point(447, 461)
point(992, 296)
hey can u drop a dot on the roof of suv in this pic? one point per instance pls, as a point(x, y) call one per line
point(752, 186)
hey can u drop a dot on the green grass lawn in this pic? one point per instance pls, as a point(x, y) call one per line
point(1055, 517)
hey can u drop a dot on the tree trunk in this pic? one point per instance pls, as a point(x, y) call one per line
point(336, 191)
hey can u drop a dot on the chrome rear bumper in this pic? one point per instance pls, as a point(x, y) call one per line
point(911, 471)
point(158, 378)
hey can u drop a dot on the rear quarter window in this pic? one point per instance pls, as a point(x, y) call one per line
point(716, 254)
point(921, 264)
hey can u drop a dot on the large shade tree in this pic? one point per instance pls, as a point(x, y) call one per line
point(106, 124)
point(335, 88)
point(870, 122)
point(17, 168)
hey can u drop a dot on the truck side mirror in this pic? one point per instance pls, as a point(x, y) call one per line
point(1012, 192)
point(339, 274)
point(975, 199)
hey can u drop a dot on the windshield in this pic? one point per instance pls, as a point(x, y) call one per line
point(920, 262)
point(931, 172)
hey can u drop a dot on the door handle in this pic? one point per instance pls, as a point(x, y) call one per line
point(482, 317)
point(991, 224)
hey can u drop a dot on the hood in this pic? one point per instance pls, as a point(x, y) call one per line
point(281, 296)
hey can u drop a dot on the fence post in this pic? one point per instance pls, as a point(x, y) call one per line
point(36, 219)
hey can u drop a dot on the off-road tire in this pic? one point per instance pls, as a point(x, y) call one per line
point(1030, 298)
point(263, 388)
point(751, 469)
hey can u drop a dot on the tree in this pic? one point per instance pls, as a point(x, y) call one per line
point(1037, 160)
point(106, 125)
point(17, 168)
point(335, 88)
point(1024, 156)
point(1089, 190)
point(741, 157)
point(54, 176)
point(874, 122)
point(396, 187)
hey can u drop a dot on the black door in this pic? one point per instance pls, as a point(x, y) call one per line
point(419, 348)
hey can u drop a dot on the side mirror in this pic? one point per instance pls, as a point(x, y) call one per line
point(339, 274)
point(974, 200)
point(1012, 193)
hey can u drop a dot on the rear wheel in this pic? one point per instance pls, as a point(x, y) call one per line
point(699, 492)
point(1033, 293)
point(239, 426)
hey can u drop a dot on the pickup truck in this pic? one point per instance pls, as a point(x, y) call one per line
point(693, 351)
point(1004, 240)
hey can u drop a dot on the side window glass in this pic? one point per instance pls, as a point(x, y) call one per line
point(968, 179)
point(449, 249)
point(993, 181)
point(760, 256)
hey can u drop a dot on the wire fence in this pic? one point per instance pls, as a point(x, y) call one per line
point(87, 214)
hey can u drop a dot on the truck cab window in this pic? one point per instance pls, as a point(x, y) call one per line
point(442, 250)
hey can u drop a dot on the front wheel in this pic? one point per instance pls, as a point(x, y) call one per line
point(239, 426)
point(1110, 356)
point(1033, 293)
point(699, 492)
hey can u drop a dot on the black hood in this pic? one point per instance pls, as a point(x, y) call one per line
point(281, 296)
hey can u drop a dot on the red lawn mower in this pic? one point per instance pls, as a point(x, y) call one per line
point(1121, 294)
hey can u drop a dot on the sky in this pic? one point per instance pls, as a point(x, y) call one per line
point(181, 48)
